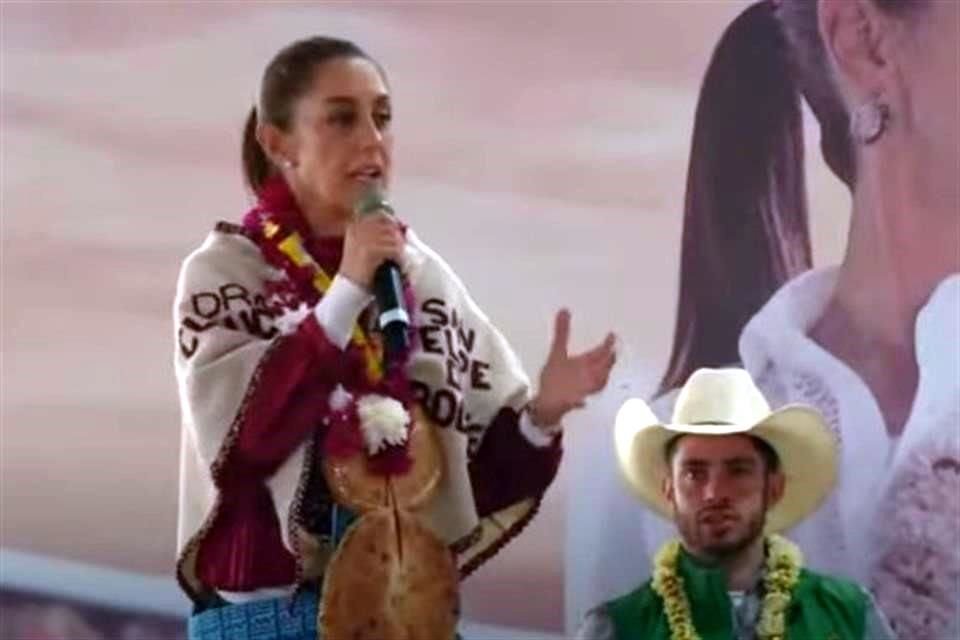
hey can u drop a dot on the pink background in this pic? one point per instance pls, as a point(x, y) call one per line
point(540, 147)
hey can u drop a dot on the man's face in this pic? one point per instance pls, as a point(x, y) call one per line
point(720, 488)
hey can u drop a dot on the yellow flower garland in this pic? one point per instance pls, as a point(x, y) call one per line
point(292, 247)
point(781, 572)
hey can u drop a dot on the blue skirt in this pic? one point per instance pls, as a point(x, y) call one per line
point(273, 619)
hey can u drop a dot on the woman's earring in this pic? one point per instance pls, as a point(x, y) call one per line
point(869, 121)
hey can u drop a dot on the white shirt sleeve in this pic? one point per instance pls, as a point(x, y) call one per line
point(339, 308)
point(537, 436)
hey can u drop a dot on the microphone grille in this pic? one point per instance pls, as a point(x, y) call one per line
point(371, 200)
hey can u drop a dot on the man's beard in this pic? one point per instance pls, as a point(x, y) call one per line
point(694, 535)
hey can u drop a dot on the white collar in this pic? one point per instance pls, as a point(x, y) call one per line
point(778, 333)
point(776, 341)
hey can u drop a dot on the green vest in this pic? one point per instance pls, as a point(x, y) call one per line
point(821, 607)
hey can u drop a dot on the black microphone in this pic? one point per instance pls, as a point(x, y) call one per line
point(393, 321)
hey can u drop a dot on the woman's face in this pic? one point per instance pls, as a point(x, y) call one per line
point(340, 142)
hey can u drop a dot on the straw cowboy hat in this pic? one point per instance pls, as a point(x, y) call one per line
point(722, 402)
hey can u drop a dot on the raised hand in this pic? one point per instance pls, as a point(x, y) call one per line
point(566, 381)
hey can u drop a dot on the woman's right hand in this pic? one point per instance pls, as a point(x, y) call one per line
point(368, 242)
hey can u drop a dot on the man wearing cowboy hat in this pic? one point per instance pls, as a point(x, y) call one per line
point(731, 474)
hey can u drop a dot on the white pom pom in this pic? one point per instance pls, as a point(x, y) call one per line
point(383, 422)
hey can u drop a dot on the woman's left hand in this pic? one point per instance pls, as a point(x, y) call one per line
point(565, 380)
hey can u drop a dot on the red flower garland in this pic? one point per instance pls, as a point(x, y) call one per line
point(343, 438)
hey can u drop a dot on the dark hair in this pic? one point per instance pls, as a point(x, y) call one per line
point(770, 458)
point(286, 79)
point(745, 228)
point(745, 215)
